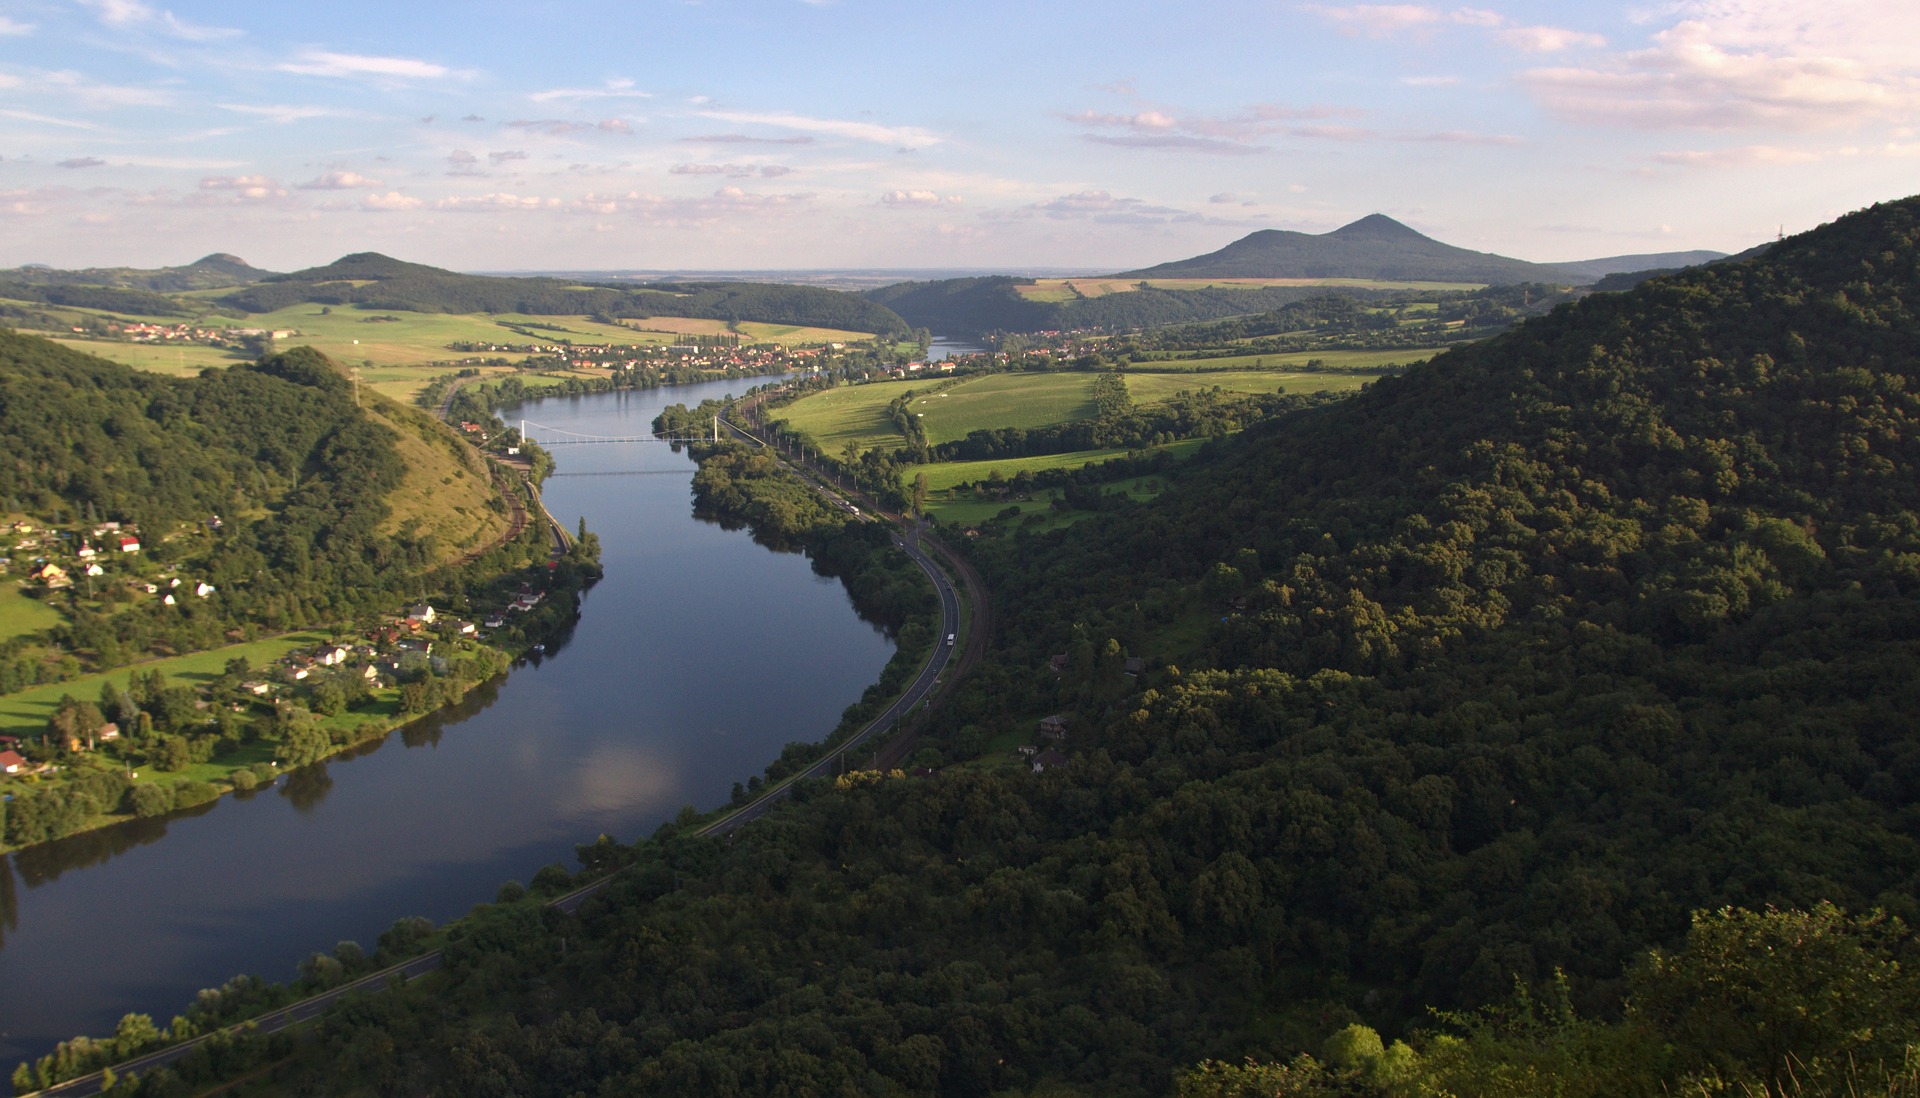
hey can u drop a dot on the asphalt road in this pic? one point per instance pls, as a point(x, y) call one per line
point(922, 688)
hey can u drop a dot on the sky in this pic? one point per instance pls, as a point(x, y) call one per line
point(901, 134)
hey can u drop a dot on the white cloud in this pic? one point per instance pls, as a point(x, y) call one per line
point(487, 203)
point(338, 181)
point(1548, 39)
point(1730, 64)
point(919, 198)
point(10, 27)
point(1741, 157)
point(614, 89)
point(909, 137)
point(326, 63)
point(392, 200)
point(250, 188)
point(134, 14)
point(282, 114)
point(46, 119)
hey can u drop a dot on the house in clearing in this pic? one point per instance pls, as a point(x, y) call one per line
point(11, 762)
point(1054, 727)
point(422, 613)
point(1048, 759)
point(129, 545)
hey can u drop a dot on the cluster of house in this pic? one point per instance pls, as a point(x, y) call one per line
point(140, 332)
point(758, 358)
point(112, 536)
point(106, 540)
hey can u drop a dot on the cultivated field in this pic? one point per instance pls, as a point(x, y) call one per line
point(858, 413)
point(1333, 360)
point(1068, 289)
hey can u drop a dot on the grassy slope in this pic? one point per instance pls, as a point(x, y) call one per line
point(446, 487)
point(21, 615)
point(1158, 388)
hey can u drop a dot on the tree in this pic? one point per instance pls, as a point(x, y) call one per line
point(919, 494)
point(1792, 998)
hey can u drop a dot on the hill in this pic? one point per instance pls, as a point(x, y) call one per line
point(304, 480)
point(1376, 246)
point(374, 281)
point(211, 272)
point(1492, 673)
point(1589, 270)
point(975, 307)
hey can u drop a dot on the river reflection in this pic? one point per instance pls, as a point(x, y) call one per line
point(695, 660)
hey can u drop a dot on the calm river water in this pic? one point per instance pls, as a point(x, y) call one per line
point(695, 660)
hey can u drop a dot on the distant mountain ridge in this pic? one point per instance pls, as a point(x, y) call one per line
point(211, 272)
point(374, 281)
point(1378, 247)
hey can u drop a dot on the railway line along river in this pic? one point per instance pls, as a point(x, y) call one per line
point(695, 660)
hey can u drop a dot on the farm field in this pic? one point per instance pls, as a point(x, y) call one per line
point(1333, 360)
point(178, 360)
point(1159, 388)
point(26, 713)
point(1063, 289)
point(858, 413)
point(950, 411)
point(944, 475)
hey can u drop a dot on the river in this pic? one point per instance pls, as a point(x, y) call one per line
point(695, 660)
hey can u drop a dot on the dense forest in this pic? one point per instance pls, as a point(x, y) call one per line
point(1563, 684)
point(378, 282)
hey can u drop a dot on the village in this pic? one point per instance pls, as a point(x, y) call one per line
point(359, 682)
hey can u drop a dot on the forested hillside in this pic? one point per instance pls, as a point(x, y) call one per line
point(978, 306)
point(1376, 246)
point(379, 282)
point(278, 450)
point(1502, 668)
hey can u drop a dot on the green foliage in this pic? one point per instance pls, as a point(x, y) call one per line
point(1788, 998)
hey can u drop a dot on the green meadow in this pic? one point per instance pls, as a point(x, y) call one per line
point(27, 712)
point(22, 615)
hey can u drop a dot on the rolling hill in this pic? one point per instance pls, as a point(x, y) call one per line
point(374, 281)
point(1376, 246)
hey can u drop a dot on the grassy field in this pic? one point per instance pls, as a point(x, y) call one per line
point(179, 360)
point(1064, 289)
point(26, 713)
point(942, 476)
point(1004, 400)
point(1158, 388)
point(21, 615)
point(858, 413)
point(1335, 360)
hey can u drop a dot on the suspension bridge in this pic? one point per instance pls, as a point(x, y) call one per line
point(560, 436)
